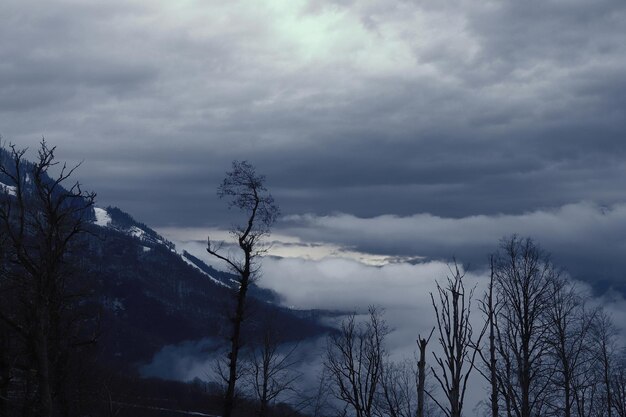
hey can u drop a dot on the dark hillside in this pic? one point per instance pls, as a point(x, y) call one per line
point(151, 296)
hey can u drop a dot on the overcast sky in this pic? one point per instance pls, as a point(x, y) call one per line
point(390, 131)
point(456, 121)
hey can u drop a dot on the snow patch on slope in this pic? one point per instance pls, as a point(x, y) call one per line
point(189, 262)
point(9, 189)
point(102, 217)
point(137, 232)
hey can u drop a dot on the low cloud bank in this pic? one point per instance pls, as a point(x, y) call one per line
point(401, 289)
point(586, 239)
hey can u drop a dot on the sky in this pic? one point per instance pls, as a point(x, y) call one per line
point(365, 108)
point(398, 129)
point(394, 134)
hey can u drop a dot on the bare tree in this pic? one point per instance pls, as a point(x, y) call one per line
point(604, 332)
point(523, 283)
point(271, 369)
point(422, 343)
point(618, 383)
point(594, 380)
point(6, 351)
point(318, 402)
point(587, 392)
point(452, 310)
point(247, 192)
point(489, 307)
point(354, 361)
point(568, 327)
point(40, 220)
point(398, 390)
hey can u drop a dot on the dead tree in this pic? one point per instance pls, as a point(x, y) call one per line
point(354, 361)
point(270, 370)
point(523, 278)
point(569, 325)
point(247, 192)
point(618, 384)
point(422, 343)
point(319, 400)
point(594, 380)
point(604, 333)
point(41, 219)
point(397, 390)
point(489, 307)
point(452, 310)
point(6, 353)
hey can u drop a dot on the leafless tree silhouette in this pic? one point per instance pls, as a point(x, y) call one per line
point(40, 218)
point(452, 311)
point(524, 279)
point(354, 361)
point(246, 191)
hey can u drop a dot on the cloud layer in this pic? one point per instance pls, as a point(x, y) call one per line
point(584, 238)
point(402, 290)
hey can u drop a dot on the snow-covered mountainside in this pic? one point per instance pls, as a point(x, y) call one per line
point(9, 189)
point(114, 219)
point(149, 295)
point(154, 295)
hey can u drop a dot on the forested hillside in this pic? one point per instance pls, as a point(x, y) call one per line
point(107, 291)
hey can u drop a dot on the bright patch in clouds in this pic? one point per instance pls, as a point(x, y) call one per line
point(279, 245)
point(587, 240)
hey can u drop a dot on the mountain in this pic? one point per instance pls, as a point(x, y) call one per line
point(153, 295)
point(150, 294)
point(82, 314)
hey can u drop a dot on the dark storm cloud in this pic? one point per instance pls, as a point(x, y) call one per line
point(50, 52)
point(368, 108)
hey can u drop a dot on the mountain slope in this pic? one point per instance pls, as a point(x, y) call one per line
point(152, 296)
point(149, 294)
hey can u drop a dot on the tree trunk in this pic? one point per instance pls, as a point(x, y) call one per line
point(5, 375)
point(264, 393)
point(492, 347)
point(525, 383)
point(43, 367)
point(421, 382)
point(421, 373)
point(568, 399)
point(607, 380)
point(229, 400)
point(263, 409)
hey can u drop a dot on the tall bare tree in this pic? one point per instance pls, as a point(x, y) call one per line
point(619, 386)
point(40, 218)
point(354, 361)
point(452, 310)
point(6, 366)
point(594, 377)
point(246, 191)
point(523, 283)
point(489, 307)
point(422, 344)
point(398, 390)
point(271, 372)
point(604, 336)
point(568, 327)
